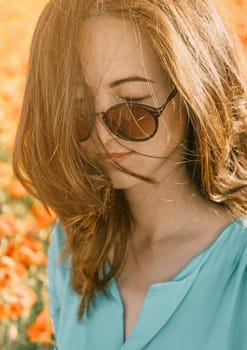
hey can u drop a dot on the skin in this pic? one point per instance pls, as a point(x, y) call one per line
point(175, 222)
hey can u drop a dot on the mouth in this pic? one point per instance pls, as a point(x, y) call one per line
point(113, 156)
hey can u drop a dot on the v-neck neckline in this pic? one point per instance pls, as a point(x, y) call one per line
point(173, 291)
point(189, 267)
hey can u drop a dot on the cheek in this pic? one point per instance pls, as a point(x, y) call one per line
point(167, 138)
point(171, 132)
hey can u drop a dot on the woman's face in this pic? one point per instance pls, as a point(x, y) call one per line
point(118, 64)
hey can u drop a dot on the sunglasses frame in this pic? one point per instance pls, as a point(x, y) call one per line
point(155, 112)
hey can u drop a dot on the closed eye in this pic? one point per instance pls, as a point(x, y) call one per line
point(134, 100)
point(124, 98)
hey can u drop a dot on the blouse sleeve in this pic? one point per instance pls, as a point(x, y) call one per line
point(56, 273)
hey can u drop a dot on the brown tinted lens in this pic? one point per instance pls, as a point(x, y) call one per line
point(84, 125)
point(130, 121)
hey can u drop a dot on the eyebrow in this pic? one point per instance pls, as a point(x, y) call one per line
point(128, 80)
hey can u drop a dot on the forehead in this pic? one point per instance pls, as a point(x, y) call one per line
point(110, 48)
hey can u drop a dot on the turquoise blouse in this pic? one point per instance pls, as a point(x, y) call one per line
point(204, 307)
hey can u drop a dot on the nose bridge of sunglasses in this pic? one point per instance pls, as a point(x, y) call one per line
point(102, 128)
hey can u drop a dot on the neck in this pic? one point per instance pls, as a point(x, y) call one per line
point(174, 209)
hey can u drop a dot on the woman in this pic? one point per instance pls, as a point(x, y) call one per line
point(133, 130)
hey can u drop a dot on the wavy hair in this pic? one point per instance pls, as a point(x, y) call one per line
point(204, 61)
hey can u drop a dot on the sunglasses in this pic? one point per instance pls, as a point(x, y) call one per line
point(133, 121)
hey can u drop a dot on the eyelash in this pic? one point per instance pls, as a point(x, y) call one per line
point(126, 99)
point(134, 100)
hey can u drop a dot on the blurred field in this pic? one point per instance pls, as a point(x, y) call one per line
point(24, 224)
point(24, 233)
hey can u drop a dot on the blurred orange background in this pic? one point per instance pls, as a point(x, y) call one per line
point(24, 224)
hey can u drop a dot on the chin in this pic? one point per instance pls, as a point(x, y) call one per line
point(122, 181)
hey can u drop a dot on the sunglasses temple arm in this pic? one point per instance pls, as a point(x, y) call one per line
point(170, 97)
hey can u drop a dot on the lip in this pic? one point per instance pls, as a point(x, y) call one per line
point(113, 155)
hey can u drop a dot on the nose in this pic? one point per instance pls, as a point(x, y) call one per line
point(102, 131)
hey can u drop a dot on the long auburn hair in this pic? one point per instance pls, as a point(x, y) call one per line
point(204, 61)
